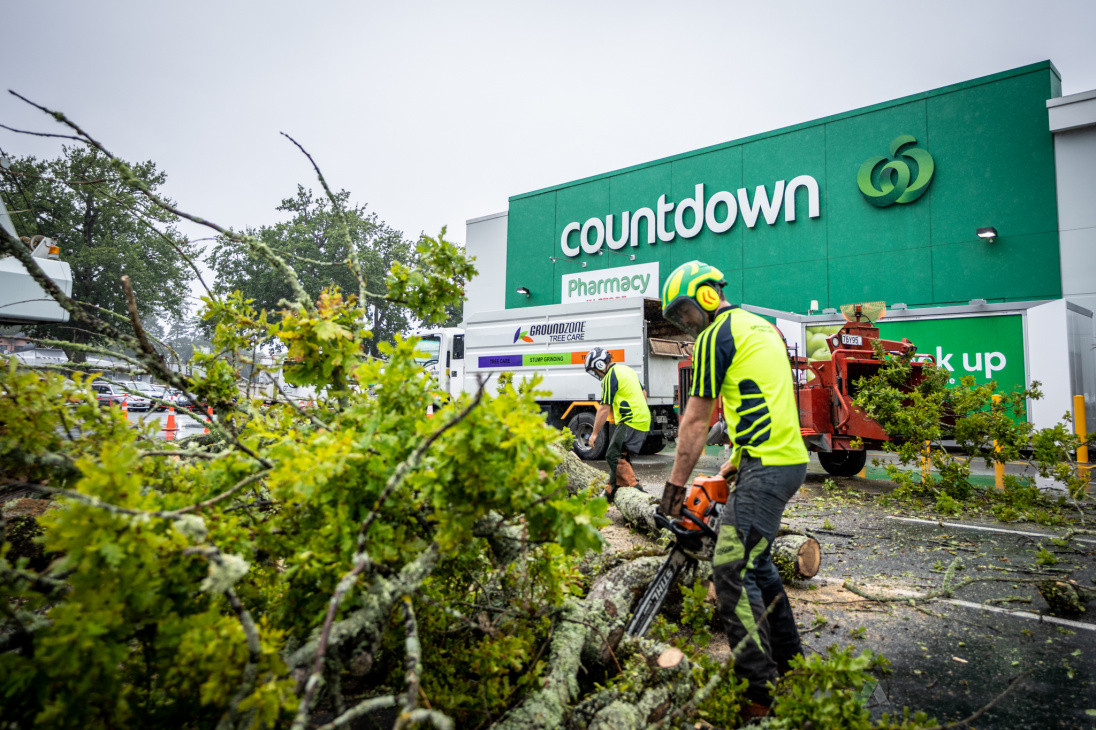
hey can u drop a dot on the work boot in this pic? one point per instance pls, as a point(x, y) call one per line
point(610, 493)
point(754, 712)
point(625, 475)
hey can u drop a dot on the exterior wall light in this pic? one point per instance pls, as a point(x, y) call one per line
point(631, 256)
point(988, 234)
point(899, 306)
point(829, 310)
point(523, 290)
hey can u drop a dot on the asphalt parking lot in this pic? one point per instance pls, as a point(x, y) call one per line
point(186, 422)
point(950, 656)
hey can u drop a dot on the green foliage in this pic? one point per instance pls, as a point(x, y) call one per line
point(1045, 557)
point(827, 691)
point(135, 626)
point(920, 414)
point(314, 243)
point(104, 230)
point(438, 278)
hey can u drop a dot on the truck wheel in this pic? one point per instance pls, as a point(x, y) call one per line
point(843, 463)
point(654, 444)
point(582, 425)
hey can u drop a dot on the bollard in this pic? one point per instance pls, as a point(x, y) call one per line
point(998, 467)
point(1080, 425)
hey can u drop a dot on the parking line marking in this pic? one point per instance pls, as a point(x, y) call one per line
point(986, 529)
point(1041, 618)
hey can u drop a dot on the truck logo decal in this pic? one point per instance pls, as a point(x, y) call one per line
point(554, 331)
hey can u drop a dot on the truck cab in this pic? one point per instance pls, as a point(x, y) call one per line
point(441, 354)
point(22, 300)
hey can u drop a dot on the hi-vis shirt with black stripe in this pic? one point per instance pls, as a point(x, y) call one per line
point(620, 387)
point(742, 358)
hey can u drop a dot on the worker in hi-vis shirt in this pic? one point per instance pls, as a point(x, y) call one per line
point(742, 359)
point(623, 396)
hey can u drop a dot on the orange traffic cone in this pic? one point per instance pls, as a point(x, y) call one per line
point(170, 428)
point(125, 407)
point(430, 411)
point(209, 417)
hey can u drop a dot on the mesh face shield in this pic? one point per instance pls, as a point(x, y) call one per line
point(686, 315)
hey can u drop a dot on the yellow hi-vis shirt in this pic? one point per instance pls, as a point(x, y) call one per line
point(742, 358)
point(621, 388)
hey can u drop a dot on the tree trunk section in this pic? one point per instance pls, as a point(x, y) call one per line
point(797, 557)
point(579, 475)
point(638, 509)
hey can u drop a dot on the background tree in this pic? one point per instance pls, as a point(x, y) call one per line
point(313, 242)
point(184, 336)
point(104, 230)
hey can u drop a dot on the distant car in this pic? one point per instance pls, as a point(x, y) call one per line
point(137, 395)
point(106, 393)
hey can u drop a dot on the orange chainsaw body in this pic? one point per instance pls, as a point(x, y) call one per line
point(702, 498)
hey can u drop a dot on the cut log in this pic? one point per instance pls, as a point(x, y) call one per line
point(638, 509)
point(797, 557)
point(670, 658)
point(580, 475)
point(610, 602)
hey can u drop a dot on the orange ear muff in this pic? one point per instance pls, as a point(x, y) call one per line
point(707, 298)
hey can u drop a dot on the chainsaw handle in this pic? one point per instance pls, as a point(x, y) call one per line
point(677, 527)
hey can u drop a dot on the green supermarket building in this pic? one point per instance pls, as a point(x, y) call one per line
point(970, 210)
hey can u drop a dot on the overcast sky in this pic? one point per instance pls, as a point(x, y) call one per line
point(432, 113)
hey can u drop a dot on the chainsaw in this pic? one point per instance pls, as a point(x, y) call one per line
point(694, 540)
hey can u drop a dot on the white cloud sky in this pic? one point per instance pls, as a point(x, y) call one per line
point(432, 113)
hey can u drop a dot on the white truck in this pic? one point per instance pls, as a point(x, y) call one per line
point(22, 301)
point(553, 341)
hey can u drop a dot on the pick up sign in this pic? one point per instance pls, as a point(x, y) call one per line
point(986, 348)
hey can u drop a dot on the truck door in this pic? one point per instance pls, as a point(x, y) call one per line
point(456, 366)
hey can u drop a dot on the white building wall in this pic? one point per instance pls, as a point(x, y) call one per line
point(485, 239)
point(1073, 122)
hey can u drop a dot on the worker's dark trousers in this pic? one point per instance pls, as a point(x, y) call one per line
point(625, 441)
point(746, 580)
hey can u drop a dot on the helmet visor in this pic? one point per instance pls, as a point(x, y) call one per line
point(686, 315)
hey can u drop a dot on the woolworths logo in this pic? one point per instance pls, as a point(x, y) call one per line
point(903, 179)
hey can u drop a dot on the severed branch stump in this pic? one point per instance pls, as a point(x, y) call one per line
point(797, 557)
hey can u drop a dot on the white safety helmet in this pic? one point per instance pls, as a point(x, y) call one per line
point(598, 361)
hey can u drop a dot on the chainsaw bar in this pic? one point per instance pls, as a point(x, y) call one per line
point(656, 592)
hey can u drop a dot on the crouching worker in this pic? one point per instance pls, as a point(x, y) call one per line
point(623, 396)
point(742, 359)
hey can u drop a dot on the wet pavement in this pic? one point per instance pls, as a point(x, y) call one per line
point(951, 656)
point(186, 423)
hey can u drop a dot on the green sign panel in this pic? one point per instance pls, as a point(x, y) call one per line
point(986, 348)
point(874, 204)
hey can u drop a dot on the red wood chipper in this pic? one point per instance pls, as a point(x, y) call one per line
point(825, 390)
